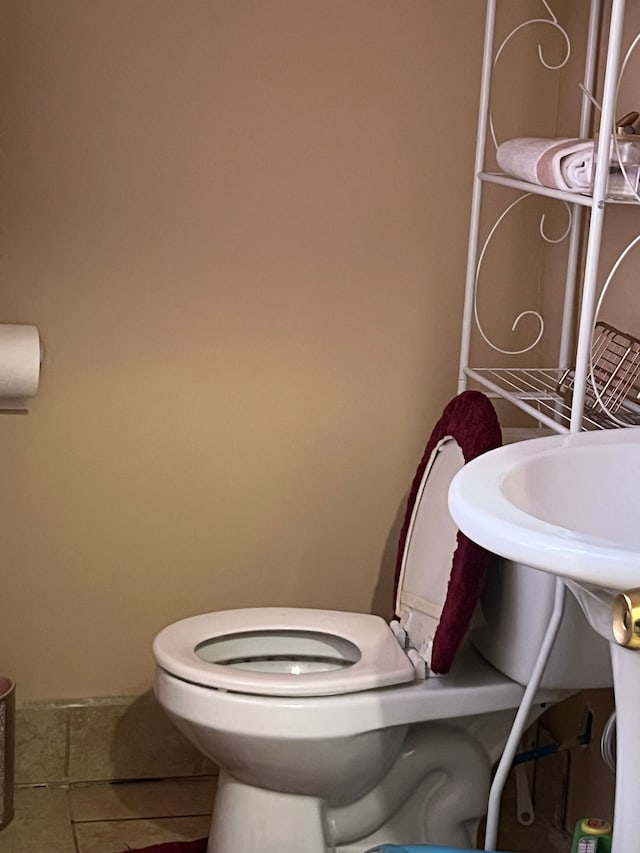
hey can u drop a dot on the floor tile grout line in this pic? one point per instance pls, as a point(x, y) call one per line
point(76, 842)
point(67, 799)
point(76, 821)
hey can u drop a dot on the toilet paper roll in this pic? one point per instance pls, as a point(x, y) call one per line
point(20, 356)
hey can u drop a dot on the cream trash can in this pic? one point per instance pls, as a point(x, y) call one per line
point(7, 741)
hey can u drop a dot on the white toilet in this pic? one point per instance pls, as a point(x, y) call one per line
point(327, 732)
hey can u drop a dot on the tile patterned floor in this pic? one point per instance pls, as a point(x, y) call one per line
point(108, 818)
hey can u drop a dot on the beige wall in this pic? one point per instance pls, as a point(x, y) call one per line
point(621, 306)
point(241, 228)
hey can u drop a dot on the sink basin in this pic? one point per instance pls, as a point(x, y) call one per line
point(570, 505)
point(566, 504)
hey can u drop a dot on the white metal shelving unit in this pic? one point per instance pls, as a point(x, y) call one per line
point(535, 390)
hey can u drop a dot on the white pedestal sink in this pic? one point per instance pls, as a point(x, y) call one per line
point(570, 505)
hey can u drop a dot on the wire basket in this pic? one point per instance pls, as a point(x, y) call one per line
point(615, 372)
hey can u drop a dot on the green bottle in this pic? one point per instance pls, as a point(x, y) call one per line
point(591, 835)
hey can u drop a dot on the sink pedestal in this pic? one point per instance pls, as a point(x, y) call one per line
point(598, 606)
point(567, 504)
point(626, 685)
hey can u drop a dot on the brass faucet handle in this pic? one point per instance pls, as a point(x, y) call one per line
point(626, 619)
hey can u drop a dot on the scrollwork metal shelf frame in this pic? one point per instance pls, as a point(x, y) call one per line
point(534, 389)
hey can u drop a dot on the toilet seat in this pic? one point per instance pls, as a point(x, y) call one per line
point(256, 650)
point(361, 651)
point(304, 652)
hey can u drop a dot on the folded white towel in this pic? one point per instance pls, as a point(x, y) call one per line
point(562, 164)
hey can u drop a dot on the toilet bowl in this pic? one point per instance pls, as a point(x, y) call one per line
point(331, 729)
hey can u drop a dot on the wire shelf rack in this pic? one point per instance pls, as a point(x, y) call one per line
point(535, 391)
point(615, 372)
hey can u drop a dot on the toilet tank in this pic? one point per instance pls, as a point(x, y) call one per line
point(513, 616)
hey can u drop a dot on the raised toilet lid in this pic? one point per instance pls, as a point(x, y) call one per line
point(440, 573)
point(429, 546)
point(274, 651)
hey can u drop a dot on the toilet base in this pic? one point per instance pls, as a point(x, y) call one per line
point(253, 819)
point(436, 791)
